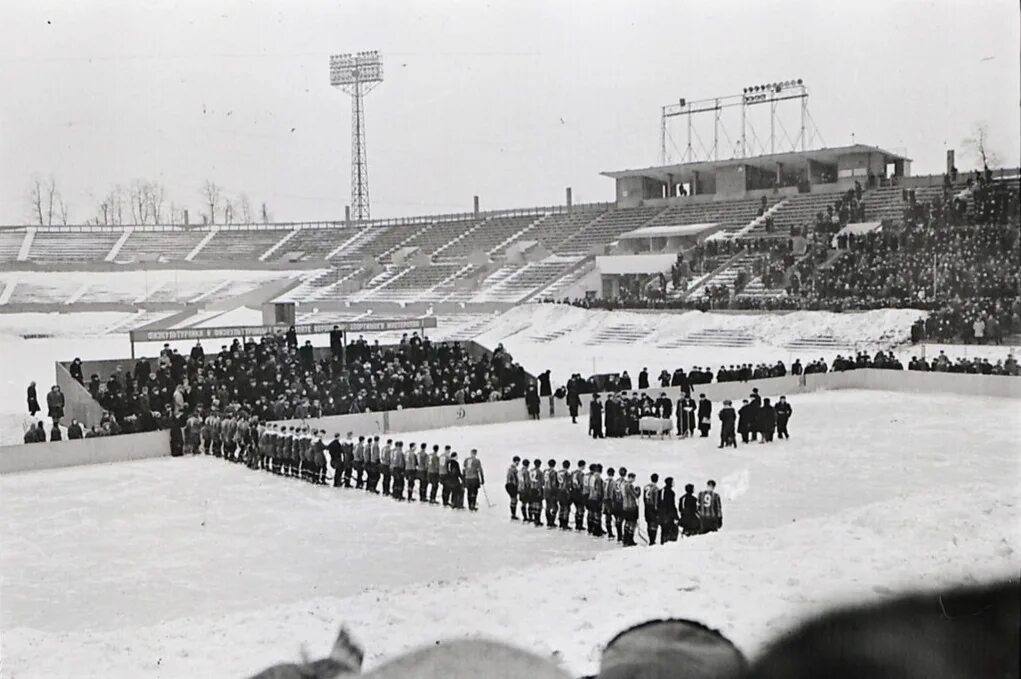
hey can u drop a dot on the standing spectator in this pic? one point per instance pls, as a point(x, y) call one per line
point(33, 400)
point(55, 434)
point(76, 370)
point(643, 379)
point(979, 329)
point(74, 431)
point(55, 404)
point(546, 390)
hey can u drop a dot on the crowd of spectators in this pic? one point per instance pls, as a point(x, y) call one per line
point(955, 256)
point(275, 379)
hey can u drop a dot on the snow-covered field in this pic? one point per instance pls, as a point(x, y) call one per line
point(195, 567)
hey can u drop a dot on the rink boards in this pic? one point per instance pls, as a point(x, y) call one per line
point(18, 458)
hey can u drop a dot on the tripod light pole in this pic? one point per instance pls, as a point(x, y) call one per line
point(357, 74)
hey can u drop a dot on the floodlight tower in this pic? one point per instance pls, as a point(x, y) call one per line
point(357, 74)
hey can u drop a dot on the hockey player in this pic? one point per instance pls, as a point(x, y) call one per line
point(243, 437)
point(536, 485)
point(549, 493)
point(727, 419)
point(783, 416)
point(564, 494)
point(629, 509)
point(444, 481)
point(710, 509)
point(511, 486)
point(455, 479)
point(579, 494)
point(319, 457)
point(618, 502)
point(705, 415)
point(385, 462)
point(349, 459)
point(474, 478)
point(650, 499)
point(525, 490)
point(375, 455)
point(433, 473)
point(595, 501)
point(411, 470)
point(688, 505)
point(422, 464)
point(608, 500)
point(667, 512)
point(359, 462)
point(193, 437)
point(397, 464)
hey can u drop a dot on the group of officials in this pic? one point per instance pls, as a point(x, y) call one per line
point(387, 468)
point(602, 504)
point(756, 419)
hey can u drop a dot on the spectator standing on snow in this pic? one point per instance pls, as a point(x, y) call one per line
point(33, 400)
point(55, 404)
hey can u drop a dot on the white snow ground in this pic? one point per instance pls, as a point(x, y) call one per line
point(195, 567)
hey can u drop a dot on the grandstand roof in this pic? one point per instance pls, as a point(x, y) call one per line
point(667, 231)
point(767, 162)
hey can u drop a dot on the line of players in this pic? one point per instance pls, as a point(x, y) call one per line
point(298, 451)
point(602, 504)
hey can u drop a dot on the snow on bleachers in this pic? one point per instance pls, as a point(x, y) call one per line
point(238, 245)
point(606, 228)
point(171, 245)
point(10, 244)
point(72, 246)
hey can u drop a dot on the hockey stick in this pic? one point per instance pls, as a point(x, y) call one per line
point(486, 495)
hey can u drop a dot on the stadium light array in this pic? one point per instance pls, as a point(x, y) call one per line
point(351, 69)
point(773, 87)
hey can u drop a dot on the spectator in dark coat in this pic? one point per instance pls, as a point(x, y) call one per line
point(767, 421)
point(55, 404)
point(55, 433)
point(643, 379)
point(76, 370)
point(532, 403)
point(667, 512)
point(74, 431)
point(688, 505)
point(33, 400)
point(705, 415)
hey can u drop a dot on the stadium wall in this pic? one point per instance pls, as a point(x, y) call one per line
point(78, 402)
point(39, 456)
point(100, 450)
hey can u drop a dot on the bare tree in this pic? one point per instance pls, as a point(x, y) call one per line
point(155, 197)
point(979, 145)
point(111, 208)
point(36, 199)
point(137, 200)
point(244, 209)
point(46, 201)
point(212, 196)
point(62, 209)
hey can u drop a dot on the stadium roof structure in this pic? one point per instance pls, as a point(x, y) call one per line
point(828, 156)
point(678, 231)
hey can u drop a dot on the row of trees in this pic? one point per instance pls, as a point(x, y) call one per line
point(143, 202)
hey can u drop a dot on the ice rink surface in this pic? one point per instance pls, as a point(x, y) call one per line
point(197, 567)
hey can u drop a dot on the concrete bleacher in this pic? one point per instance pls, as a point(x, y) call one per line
point(516, 283)
point(795, 211)
point(726, 275)
point(412, 283)
point(56, 291)
point(441, 234)
point(171, 245)
point(732, 215)
point(72, 246)
point(10, 244)
point(317, 243)
point(239, 245)
point(488, 236)
point(556, 228)
point(606, 228)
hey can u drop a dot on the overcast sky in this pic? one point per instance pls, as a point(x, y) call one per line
point(512, 101)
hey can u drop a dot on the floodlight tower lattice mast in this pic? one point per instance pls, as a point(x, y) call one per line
point(357, 74)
